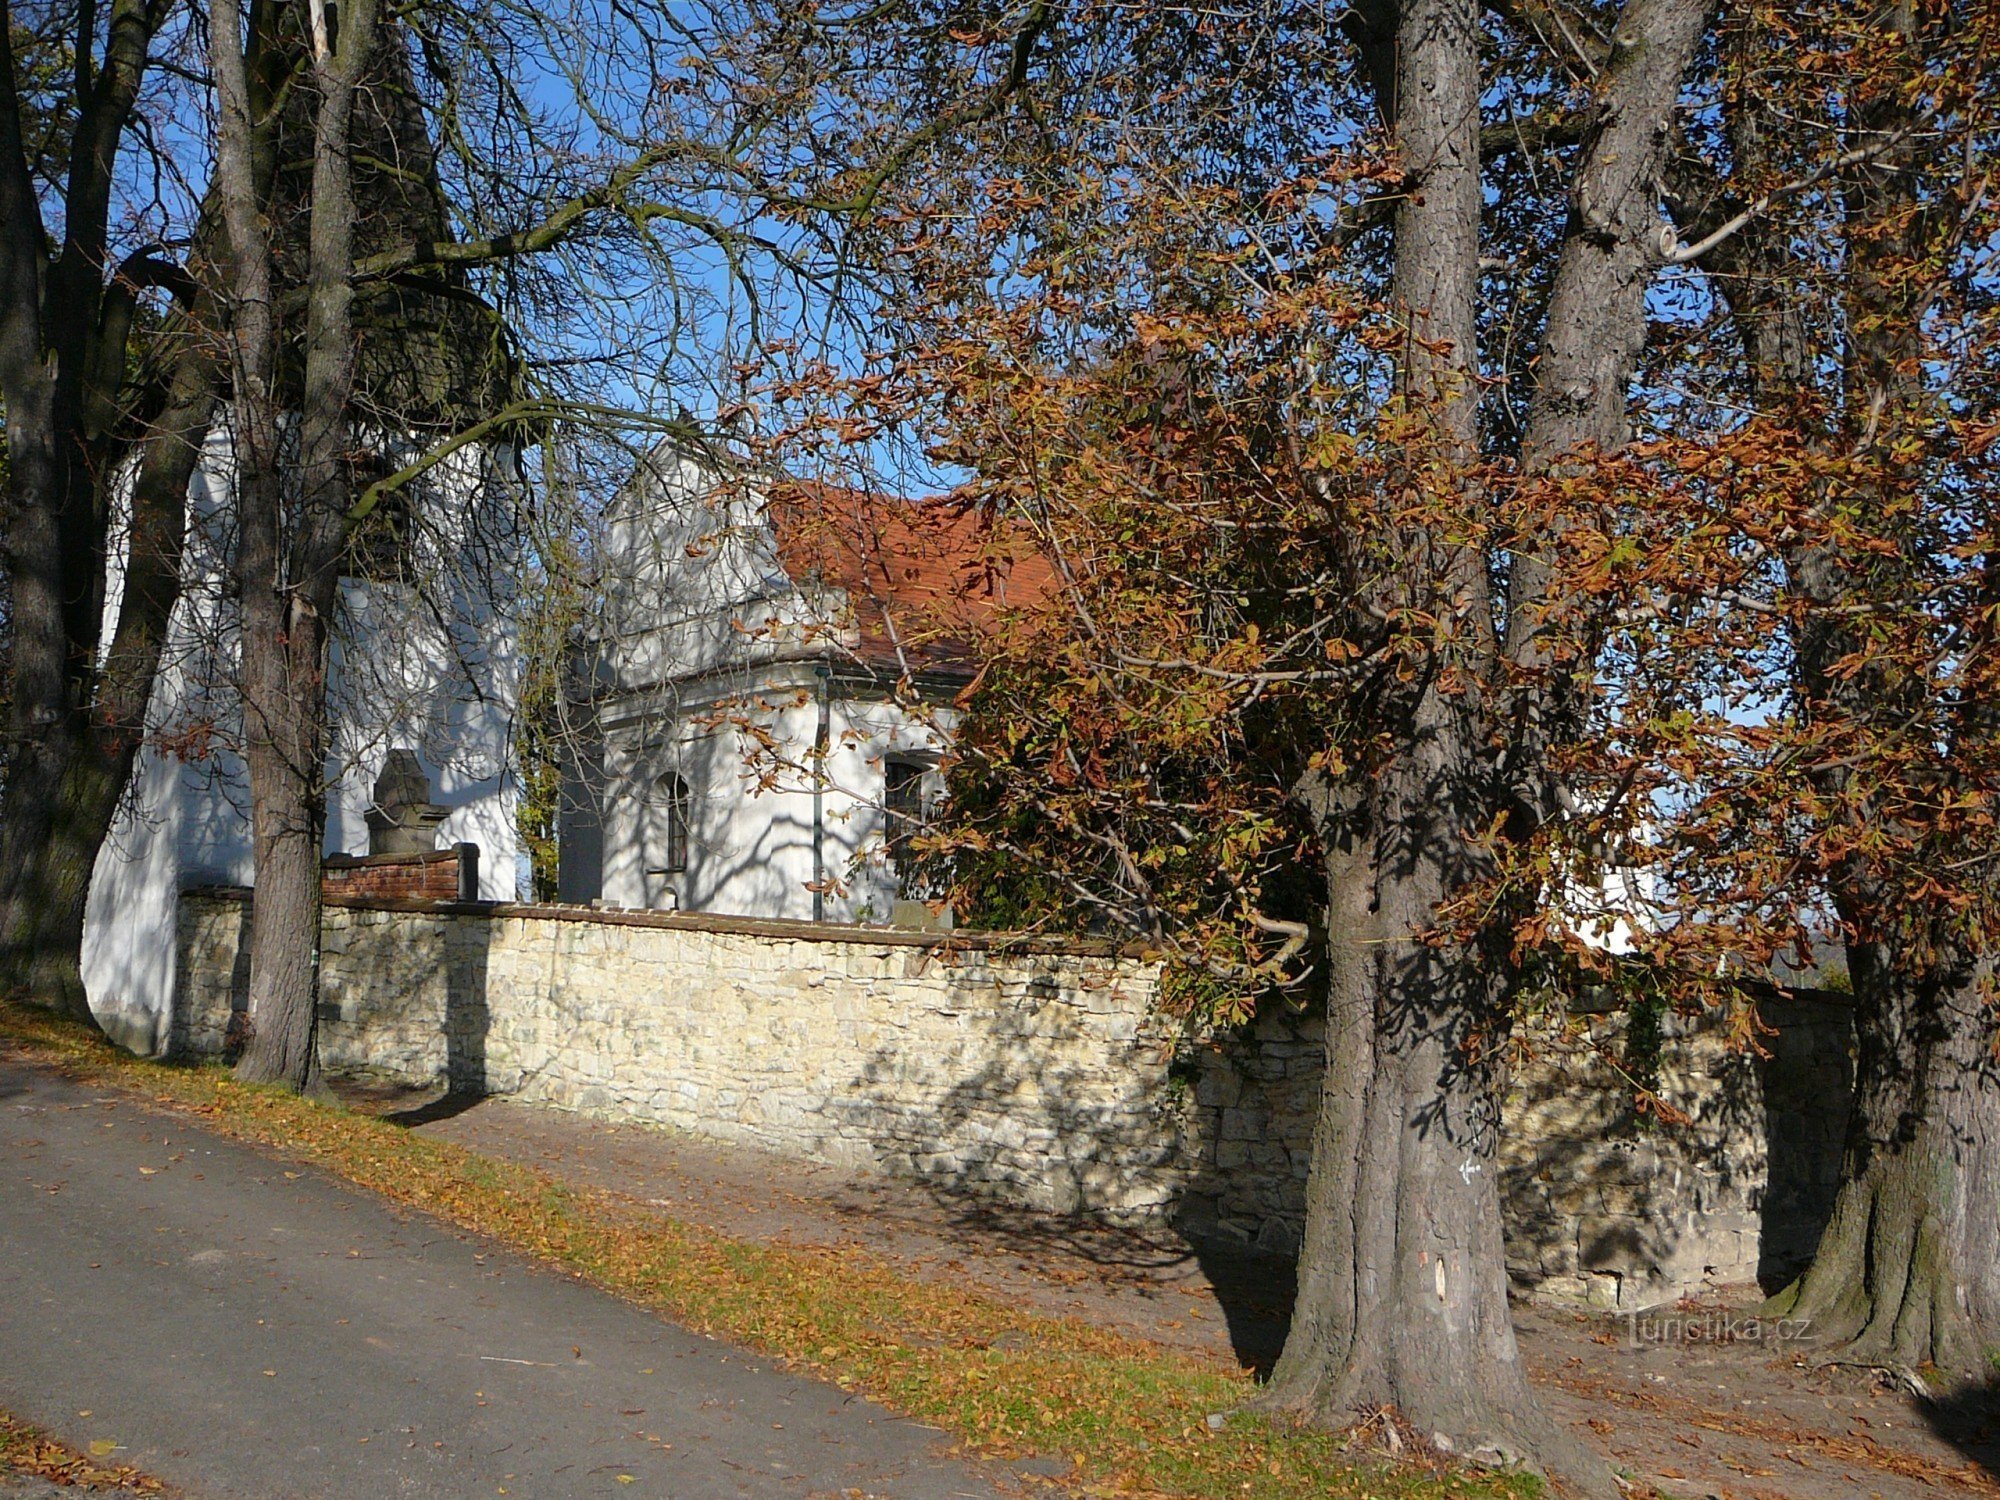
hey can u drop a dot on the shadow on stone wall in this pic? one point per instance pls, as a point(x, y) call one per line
point(1808, 1088)
point(1033, 1113)
point(1602, 1205)
point(192, 1030)
point(465, 1020)
point(1029, 1118)
point(1618, 1208)
point(1045, 1082)
point(1253, 1104)
point(404, 999)
point(468, 1018)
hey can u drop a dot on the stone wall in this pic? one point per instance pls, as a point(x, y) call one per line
point(1041, 1075)
point(1604, 1205)
point(1624, 1210)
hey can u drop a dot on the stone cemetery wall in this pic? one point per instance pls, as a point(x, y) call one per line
point(1038, 1074)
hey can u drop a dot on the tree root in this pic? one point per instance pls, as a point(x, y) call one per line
point(1904, 1375)
point(1569, 1464)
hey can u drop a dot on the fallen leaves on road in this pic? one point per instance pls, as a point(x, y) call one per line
point(26, 1450)
point(1001, 1378)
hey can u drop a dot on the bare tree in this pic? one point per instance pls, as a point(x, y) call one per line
point(554, 265)
point(102, 394)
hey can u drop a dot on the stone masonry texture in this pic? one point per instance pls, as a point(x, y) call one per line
point(1046, 1078)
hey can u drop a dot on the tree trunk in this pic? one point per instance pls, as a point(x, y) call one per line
point(290, 592)
point(1403, 1294)
point(64, 786)
point(284, 819)
point(285, 753)
point(43, 874)
point(64, 336)
point(60, 798)
point(1908, 1270)
point(1402, 1300)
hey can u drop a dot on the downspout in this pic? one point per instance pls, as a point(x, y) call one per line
point(821, 736)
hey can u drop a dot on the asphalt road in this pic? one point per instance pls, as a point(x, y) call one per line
point(238, 1326)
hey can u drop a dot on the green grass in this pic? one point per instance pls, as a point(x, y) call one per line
point(1131, 1415)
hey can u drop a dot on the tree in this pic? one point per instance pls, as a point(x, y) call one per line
point(461, 259)
point(1908, 1271)
point(1829, 560)
point(361, 360)
point(106, 407)
point(1210, 323)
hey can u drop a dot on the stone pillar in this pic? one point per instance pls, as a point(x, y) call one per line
point(403, 819)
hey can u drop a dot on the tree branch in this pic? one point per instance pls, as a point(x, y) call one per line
point(1677, 254)
point(22, 234)
point(564, 221)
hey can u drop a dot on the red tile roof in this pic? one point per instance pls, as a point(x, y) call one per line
point(926, 580)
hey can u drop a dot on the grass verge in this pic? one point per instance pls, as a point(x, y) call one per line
point(28, 1451)
point(1131, 1416)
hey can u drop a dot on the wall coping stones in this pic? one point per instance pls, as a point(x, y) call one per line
point(818, 932)
point(367, 861)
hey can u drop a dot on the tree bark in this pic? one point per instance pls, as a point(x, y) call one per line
point(79, 707)
point(1905, 1273)
point(281, 1036)
point(290, 592)
point(1403, 1294)
point(284, 661)
point(1402, 1297)
point(1402, 1300)
point(59, 805)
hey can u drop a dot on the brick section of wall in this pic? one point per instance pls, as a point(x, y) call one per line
point(392, 877)
point(1040, 1075)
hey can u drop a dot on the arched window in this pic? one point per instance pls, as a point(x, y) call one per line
point(903, 817)
point(674, 806)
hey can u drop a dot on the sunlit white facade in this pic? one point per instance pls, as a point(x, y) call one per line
point(424, 660)
point(755, 736)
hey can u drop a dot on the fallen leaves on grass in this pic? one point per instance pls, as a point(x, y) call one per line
point(26, 1450)
point(1008, 1382)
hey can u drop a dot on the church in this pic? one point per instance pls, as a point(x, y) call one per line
point(772, 687)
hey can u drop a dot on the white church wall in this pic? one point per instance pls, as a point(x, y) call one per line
point(751, 805)
point(691, 580)
point(868, 733)
point(436, 675)
point(702, 627)
point(748, 850)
